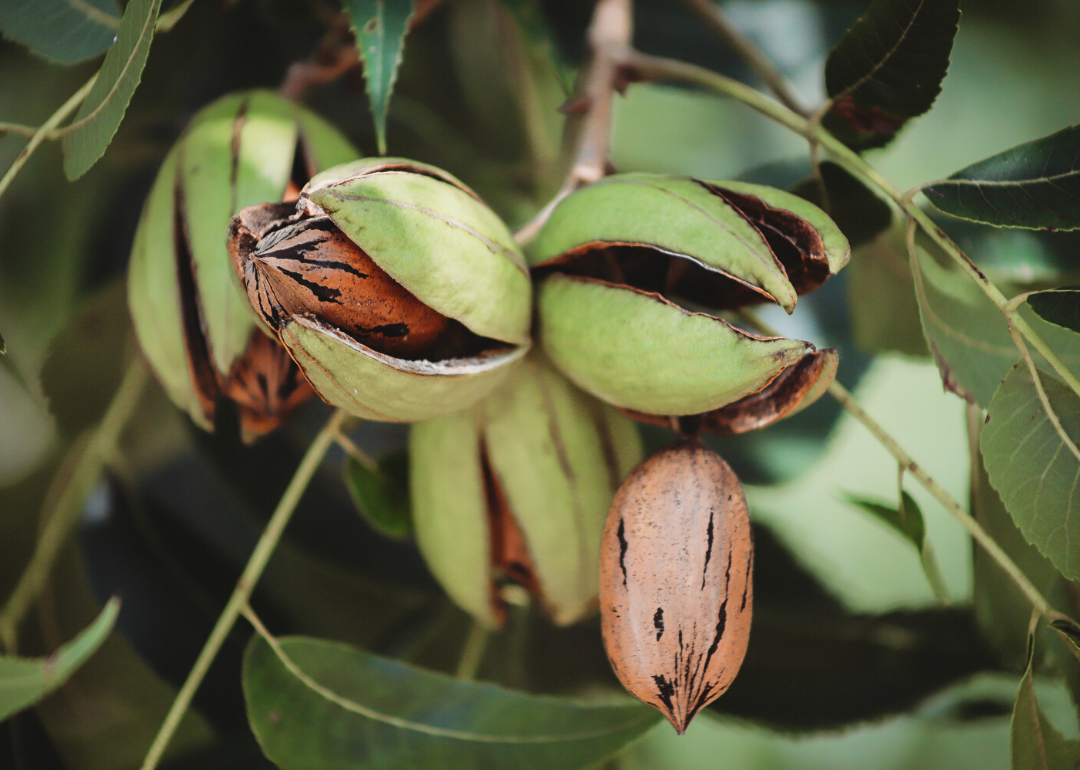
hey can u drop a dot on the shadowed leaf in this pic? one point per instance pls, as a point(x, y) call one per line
point(1035, 743)
point(888, 68)
point(1034, 185)
point(316, 704)
point(859, 213)
point(1058, 306)
point(25, 681)
point(1035, 465)
point(64, 31)
point(908, 521)
point(105, 105)
point(382, 494)
point(380, 27)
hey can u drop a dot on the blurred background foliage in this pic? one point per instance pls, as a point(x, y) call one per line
point(847, 633)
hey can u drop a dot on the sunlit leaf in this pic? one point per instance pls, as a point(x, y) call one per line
point(1035, 743)
point(316, 704)
point(1034, 185)
point(908, 521)
point(381, 494)
point(64, 31)
point(1058, 306)
point(105, 105)
point(1035, 465)
point(967, 334)
point(380, 27)
point(888, 68)
point(25, 681)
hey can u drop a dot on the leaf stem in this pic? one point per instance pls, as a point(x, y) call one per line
point(45, 131)
point(60, 517)
point(245, 585)
point(745, 48)
point(847, 401)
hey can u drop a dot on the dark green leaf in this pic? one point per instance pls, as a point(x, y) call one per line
point(859, 213)
point(1034, 185)
point(86, 360)
point(888, 68)
point(382, 494)
point(967, 333)
point(1001, 609)
point(881, 297)
point(908, 521)
point(380, 27)
point(1034, 465)
point(25, 681)
point(105, 105)
point(316, 704)
point(1035, 743)
point(1058, 306)
point(64, 31)
point(1069, 632)
point(3, 346)
point(532, 22)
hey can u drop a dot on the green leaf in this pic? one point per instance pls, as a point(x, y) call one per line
point(859, 213)
point(967, 333)
point(1001, 609)
point(532, 22)
point(25, 681)
point(1036, 744)
point(62, 30)
point(105, 105)
point(1058, 306)
point(1035, 185)
point(380, 27)
point(3, 346)
point(316, 704)
point(908, 521)
point(381, 494)
point(888, 68)
point(86, 360)
point(1070, 633)
point(1034, 465)
point(881, 297)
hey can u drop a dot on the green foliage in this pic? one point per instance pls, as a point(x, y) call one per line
point(380, 27)
point(857, 211)
point(24, 681)
point(907, 519)
point(1035, 185)
point(1058, 306)
point(60, 30)
point(381, 493)
point(1037, 744)
point(315, 704)
point(1032, 458)
point(104, 107)
point(888, 68)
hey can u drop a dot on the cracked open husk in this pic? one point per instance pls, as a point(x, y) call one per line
point(193, 321)
point(400, 294)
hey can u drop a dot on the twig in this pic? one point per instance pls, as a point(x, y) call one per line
point(715, 18)
point(907, 464)
point(472, 652)
point(589, 128)
point(244, 586)
point(61, 519)
point(46, 131)
point(17, 128)
point(355, 452)
point(644, 67)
